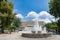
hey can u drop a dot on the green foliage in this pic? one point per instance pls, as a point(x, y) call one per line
point(7, 15)
point(12, 27)
point(54, 6)
point(52, 25)
point(6, 6)
point(58, 23)
point(17, 22)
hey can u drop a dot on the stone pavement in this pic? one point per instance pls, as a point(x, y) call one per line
point(17, 36)
point(9, 37)
point(55, 37)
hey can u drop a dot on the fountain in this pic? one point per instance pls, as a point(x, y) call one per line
point(37, 28)
point(37, 31)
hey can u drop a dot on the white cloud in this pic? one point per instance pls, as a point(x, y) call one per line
point(46, 17)
point(43, 16)
point(19, 16)
point(32, 14)
point(47, 21)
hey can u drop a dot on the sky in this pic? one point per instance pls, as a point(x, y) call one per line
point(25, 6)
point(30, 9)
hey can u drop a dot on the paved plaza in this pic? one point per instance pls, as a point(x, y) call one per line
point(17, 36)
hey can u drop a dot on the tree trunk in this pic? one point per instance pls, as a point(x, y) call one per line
point(2, 30)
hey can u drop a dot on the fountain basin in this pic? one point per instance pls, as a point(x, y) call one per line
point(36, 35)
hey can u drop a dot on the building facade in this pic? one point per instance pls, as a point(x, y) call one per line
point(31, 23)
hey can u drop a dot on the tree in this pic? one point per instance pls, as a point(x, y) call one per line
point(7, 17)
point(17, 22)
point(54, 6)
point(52, 25)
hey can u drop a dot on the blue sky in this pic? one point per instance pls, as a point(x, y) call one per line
point(25, 6)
